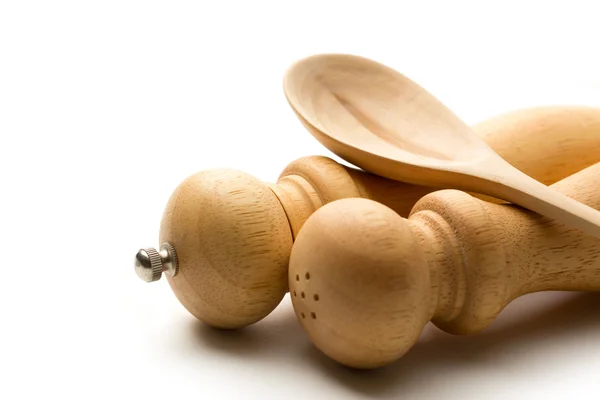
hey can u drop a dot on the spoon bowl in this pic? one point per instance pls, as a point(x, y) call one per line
point(381, 121)
point(367, 127)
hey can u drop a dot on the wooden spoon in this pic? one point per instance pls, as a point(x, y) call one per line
point(381, 121)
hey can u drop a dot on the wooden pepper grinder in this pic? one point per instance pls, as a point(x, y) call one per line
point(365, 281)
point(226, 236)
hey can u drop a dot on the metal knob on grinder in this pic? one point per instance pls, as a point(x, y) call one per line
point(150, 263)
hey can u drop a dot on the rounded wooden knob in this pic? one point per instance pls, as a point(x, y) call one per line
point(233, 242)
point(353, 283)
point(365, 281)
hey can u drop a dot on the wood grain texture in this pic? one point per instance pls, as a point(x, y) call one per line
point(381, 121)
point(522, 133)
point(233, 241)
point(234, 233)
point(365, 281)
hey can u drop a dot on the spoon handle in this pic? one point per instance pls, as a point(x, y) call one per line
point(519, 188)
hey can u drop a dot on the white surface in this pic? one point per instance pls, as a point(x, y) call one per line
point(106, 106)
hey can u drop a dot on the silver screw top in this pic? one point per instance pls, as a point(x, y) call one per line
point(150, 264)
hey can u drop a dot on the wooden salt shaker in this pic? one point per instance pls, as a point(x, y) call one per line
point(365, 281)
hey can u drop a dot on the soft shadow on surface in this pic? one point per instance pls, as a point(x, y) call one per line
point(264, 339)
point(264, 344)
point(531, 325)
point(528, 333)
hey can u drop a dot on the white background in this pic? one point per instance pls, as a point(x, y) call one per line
point(105, 106)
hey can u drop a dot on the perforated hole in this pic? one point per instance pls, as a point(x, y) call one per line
point(316, 297)
point(297, 278)
point(313, 315)
point(307, 276)
point(303, 316)
point(295, 295)
point(302, 295)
